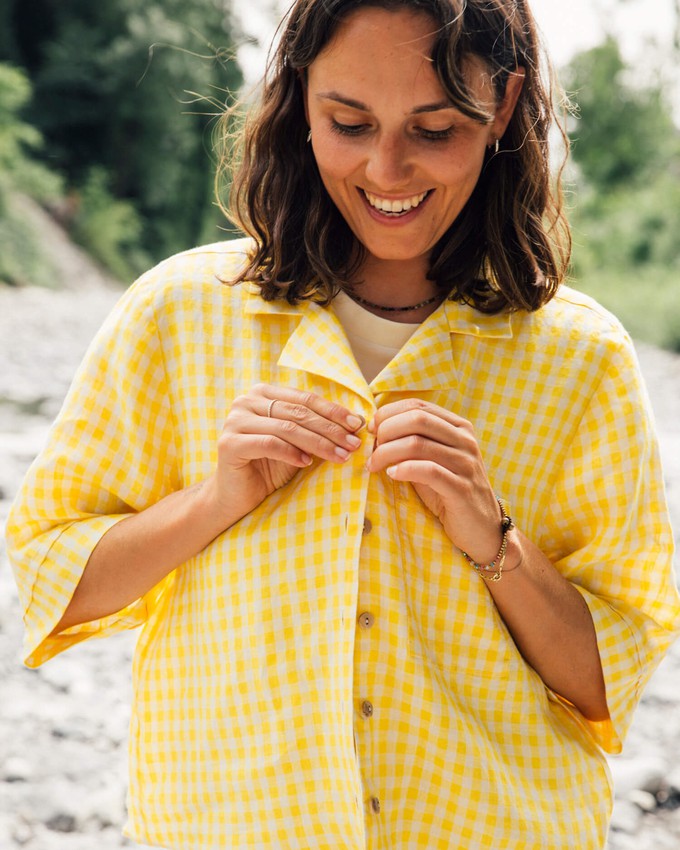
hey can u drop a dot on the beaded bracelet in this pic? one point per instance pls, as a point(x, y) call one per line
point(499, 561)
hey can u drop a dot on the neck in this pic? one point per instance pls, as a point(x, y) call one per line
point(393, 283)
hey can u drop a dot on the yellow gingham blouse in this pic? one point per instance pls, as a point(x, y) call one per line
point(329, 673)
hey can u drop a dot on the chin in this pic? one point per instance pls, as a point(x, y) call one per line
point(403, 253)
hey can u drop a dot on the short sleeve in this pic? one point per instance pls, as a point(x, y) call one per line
point(109, 454)
point(609, 533)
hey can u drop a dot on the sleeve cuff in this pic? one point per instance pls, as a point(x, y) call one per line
point(625, 668)
point(51, 592)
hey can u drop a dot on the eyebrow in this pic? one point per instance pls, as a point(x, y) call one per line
point(362, 107)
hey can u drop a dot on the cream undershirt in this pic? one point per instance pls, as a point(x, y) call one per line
point(374, 341)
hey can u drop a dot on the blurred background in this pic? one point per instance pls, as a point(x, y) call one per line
point(108, 118)
point(108, 112)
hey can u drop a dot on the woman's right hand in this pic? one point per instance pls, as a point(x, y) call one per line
point(270, 433)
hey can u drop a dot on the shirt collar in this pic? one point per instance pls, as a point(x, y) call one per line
point(318, 345)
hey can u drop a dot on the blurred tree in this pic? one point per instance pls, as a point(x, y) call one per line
point(21, 260)
point(626, 216)
point(623, 131)
point(110, 91)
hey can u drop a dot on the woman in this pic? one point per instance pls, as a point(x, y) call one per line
point(301, 483)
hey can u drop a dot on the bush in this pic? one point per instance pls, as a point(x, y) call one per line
point(21, 257)
point(109, 228)
point(645, 300)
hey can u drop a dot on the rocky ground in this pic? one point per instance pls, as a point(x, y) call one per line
point(63, 727)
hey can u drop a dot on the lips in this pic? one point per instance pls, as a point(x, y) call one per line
point(395, 207)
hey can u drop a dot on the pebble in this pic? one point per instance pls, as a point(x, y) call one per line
point(62, 822)
point(64, 727)
point(644, 800)
point(16, 769)
point(640, 774)
point(626, 817)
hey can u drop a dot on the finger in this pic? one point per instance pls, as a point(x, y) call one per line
point(329, 410)
point(426, 472)
point(298, 435)
point(299, 414)
point(427, 424)
point(240, 449)
point(416, 448)
point(414, 406)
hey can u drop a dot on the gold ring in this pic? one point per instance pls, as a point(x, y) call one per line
point(269, 407)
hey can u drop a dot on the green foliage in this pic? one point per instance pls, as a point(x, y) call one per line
point(646, 300)
point(21, 258)
point(627, 229)
point(111, 81)
point(624, 130)
point(19, 140)
point(108, 228)
point(626, 218)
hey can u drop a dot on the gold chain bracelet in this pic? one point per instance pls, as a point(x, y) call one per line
point(499, 561)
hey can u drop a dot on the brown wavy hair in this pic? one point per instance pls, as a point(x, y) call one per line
point(510, 245)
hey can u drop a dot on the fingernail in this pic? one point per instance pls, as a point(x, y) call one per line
point(353, 441)
point(391, 470)
point(371, 426)
point(306, 459)
point(355, 422)
point(343, 454)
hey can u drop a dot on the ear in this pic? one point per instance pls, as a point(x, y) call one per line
point(506, 107)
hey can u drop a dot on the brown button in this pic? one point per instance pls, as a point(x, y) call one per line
point(375, 805)
point(366, 620)
point(368, 525)
point(367, 708)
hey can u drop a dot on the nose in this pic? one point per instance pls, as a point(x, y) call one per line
point(389, 165)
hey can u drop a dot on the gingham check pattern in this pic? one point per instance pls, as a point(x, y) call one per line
point(268, 712)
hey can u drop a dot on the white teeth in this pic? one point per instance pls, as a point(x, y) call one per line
point(387, 206)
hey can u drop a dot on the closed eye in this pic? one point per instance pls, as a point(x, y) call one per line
point(424, 133)
point(348, 129)
point(435, 135)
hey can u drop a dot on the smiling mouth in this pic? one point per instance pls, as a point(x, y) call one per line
point(395, 208)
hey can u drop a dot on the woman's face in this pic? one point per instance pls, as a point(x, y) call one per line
point(396, 158)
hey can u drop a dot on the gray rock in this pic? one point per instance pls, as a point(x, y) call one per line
point(62, 822)
point(22, 833)
point(16, 769)
point(643, 800)
point(639, 774)
point(626, 817)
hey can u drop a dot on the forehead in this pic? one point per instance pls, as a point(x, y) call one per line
point(367, 30)
point(386, 55)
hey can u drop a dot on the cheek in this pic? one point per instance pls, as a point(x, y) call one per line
point(335, 159)
point(459, 175)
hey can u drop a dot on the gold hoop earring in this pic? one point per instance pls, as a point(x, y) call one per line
point(309, 137)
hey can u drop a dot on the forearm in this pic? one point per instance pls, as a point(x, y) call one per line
point(141, 550)
point(551, 625)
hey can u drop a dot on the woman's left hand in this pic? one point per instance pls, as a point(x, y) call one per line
point(437, 452)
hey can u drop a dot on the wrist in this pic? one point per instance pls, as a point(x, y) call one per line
point(215, 511)
point(513, 552)
point(493, 570)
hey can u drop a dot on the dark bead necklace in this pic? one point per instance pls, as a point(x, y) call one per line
point(366, 303)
